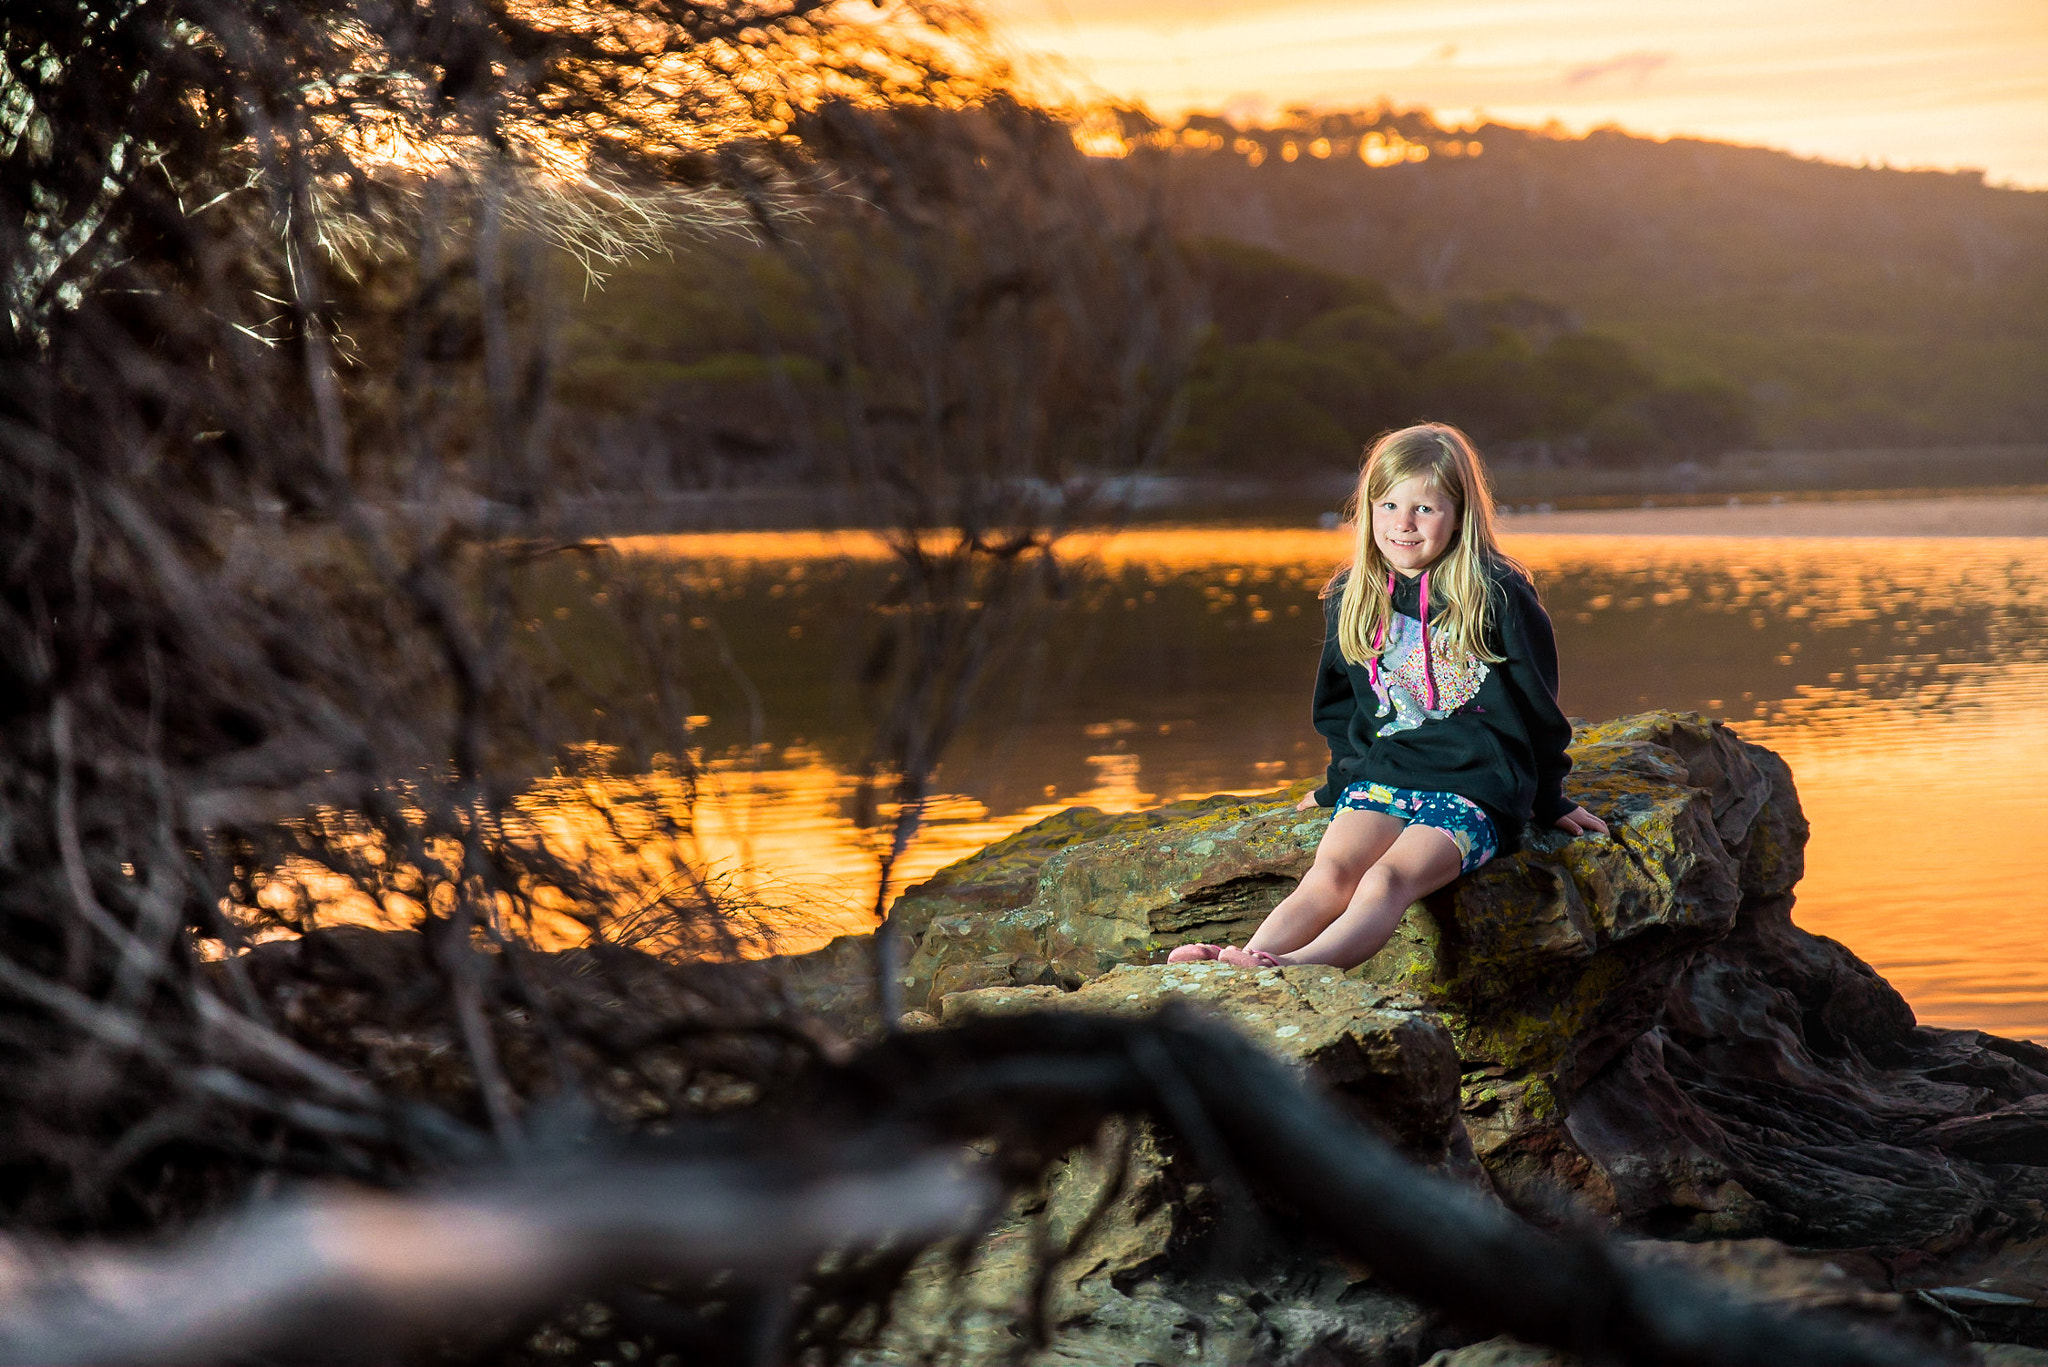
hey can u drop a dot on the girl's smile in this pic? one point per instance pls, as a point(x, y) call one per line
point(1413, 523)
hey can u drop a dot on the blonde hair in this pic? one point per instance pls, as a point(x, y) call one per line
point(1460, 587)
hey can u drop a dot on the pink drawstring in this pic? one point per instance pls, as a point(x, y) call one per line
point(1428, 670)
point(1379, 635)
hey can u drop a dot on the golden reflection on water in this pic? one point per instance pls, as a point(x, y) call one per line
point(1920, 748)
point(1906, 681)
point(784, 835)
point(1168, 548)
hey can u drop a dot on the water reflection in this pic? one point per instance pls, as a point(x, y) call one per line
point(1905, 680)
point(1907, 684)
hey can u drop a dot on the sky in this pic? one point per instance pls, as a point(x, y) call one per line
point(1948, 84)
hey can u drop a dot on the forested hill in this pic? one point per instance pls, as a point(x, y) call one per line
point(1856, 306)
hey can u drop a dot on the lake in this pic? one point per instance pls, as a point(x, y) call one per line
point(1904, 677)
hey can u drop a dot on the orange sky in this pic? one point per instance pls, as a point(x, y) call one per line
point(1961, 83)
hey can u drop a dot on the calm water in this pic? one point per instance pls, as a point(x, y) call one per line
point(1905, 680)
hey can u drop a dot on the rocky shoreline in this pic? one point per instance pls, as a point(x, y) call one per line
point(1630, 1031)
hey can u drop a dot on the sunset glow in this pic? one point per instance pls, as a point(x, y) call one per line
point(1953, 86)
point(1937, 893)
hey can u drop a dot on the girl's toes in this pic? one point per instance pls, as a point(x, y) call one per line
point(1191, 954)
point(1247, 958)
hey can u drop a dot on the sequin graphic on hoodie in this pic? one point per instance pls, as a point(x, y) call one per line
point(1402, 684)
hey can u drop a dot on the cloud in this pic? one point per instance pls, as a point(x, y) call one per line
point(1637, 65)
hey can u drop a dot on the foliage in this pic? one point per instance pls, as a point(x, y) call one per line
point(1305, 365)
point(998, 323)
point(887, 326)
point(1852, 306)
point(720, 357)
point(285, 638)
point(1689, 422)
point(277, 482)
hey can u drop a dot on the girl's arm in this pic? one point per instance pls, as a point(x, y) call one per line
point(1336, 703)
point(1531, 669)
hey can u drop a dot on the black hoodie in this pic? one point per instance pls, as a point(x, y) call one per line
point(1489, 732)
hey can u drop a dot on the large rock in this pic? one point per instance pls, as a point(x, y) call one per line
point(1548, 961)
point(1144, 1282)
point(1383, 1053)
point(976, 895)
point(1005, 874)
point(1545, 964)
point(1066, 900)
point(1636, 1021)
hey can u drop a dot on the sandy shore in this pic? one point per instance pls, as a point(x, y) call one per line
point(2002, 515)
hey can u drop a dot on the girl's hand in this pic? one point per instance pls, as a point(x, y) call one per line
point(1579, 821)
point(1307, 804)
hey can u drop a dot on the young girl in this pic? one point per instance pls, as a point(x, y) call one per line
point(1438, 695)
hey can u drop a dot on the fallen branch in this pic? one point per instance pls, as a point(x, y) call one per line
point(381, 1270)
point(1424, 1235)
point(1025, 1089)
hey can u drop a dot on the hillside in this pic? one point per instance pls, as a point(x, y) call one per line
point(1303, 365)
point(714, 358)
point(1855, 306)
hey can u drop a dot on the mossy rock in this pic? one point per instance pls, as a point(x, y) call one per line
point(1005, 874)
point(993, 919)
point(1633, 1020)
point(1546, 961)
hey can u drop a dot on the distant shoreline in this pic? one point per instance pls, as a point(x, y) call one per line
point(2015, 514)
point(1975, 508)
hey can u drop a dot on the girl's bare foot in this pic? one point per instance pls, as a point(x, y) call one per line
point(1194, 954)
point(1247, 958)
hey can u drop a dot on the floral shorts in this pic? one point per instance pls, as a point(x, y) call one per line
point(1460, 818)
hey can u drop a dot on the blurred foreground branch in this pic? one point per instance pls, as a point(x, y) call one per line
point(1022, 1090)
point(277, 647)
point(385, 1269)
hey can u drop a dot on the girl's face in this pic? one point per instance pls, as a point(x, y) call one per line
point(1413, 523)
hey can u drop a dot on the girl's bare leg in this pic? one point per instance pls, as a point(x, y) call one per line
point(1420, 860)
point(1351, 846)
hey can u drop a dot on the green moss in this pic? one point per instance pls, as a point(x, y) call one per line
point(1534, 1032)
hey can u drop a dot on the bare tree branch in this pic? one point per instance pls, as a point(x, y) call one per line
point(1430, 1237)
point(1021, 1089)
point(383, 1270)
